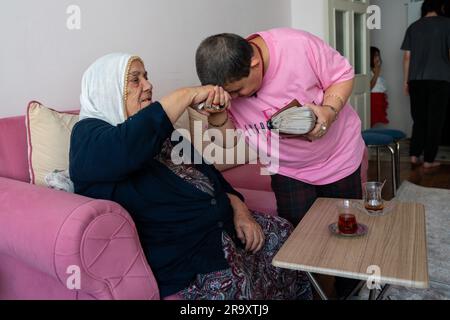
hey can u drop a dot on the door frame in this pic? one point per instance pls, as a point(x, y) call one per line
point(362, 80)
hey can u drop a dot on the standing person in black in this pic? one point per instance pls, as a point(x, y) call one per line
point(446, 133)
point(427, 80)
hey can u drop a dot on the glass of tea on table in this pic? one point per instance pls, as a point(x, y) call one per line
point(347, 220)
point(373, 202)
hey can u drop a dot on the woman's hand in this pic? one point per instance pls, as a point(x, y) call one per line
point(247, 229)
point(325, 117)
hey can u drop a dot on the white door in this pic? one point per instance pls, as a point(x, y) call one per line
point(350, 36)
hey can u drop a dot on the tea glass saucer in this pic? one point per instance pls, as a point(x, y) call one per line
point(388, 207)
point(361, 231)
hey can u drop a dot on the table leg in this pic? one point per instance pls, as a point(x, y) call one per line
point(383, 292)
point(372, 294)
point(355, 290)
point(316, 286)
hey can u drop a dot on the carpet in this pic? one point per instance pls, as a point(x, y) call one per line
point(443, 155)
point(437, 212)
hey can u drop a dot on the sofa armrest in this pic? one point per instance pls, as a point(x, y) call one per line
point(56, 233)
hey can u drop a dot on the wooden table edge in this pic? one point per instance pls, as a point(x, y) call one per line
point(359, 276)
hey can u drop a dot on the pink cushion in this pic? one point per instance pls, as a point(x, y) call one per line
point(248, 177)
point(13, 149)
point(260, 201)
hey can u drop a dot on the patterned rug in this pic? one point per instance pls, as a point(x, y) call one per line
point(437, 206)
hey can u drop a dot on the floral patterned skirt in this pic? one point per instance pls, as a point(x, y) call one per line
point(252, 276)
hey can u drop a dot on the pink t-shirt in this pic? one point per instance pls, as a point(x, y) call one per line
point(302, 67)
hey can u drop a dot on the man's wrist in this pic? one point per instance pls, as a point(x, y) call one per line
point(333, 110)
point(332, 99)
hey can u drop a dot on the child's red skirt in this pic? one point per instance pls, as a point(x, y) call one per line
point(379, 105)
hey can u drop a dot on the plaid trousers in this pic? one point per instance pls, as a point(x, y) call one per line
point(294, 197)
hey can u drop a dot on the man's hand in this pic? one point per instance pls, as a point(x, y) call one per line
point(325, 117)
point(247, 229)
point(218, 101)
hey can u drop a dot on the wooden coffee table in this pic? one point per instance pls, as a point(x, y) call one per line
point(395, 243)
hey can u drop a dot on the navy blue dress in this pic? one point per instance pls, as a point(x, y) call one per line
point(180, 227)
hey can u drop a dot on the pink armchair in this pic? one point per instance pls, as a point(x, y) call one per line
point(45, 233)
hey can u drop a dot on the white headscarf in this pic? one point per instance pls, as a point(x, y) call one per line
point(103, 88)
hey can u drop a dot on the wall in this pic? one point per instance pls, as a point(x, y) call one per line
point(394, 17)
point(312, 16)
point(40, 59)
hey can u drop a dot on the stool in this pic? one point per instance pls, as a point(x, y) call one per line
point(377, 141)
point(397, 135)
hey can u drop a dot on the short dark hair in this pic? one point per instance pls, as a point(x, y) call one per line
point(432, 6)
point(373, 51)
point(223, 58)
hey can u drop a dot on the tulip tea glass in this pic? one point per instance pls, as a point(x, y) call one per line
point(373, 202)
point(347, 220)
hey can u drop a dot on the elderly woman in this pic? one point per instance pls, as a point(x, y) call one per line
point(199, 238)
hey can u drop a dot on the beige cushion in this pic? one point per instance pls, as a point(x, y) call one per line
point(183, 125)
point(183, 122)
point(236, 154)
point(48, 135)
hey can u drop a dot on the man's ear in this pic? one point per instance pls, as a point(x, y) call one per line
point(254, 62)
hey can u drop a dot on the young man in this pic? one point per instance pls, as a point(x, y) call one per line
point(264, 73)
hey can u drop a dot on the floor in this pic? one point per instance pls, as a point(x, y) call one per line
point(430, 178)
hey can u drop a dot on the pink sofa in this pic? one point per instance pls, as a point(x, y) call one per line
point(43, 232)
